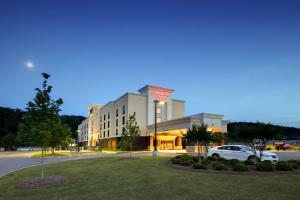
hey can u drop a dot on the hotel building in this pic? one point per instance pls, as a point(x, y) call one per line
point(104, 125)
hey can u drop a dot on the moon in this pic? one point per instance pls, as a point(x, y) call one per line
point(29, 64)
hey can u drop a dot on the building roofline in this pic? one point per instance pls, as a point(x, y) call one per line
point(155, 87)
point(178, 100)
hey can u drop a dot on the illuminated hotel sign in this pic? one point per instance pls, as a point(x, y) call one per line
point(160, 94)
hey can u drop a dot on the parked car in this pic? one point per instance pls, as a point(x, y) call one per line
point(283, 147)
point(240, 152)
point(24, 149)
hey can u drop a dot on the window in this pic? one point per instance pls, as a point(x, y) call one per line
point(104, 117)
point(100, 118)
point(123, 130)
point(117, 122)
point(108, 115)
point(104, 125)
point(108, 133)
point(124, 109)
point(158, 119)
point(116, 131)
point(104, 134)
point(123, 120)
point(158, 110)
point(100, 126)
point(117, 112)
point(235, 148)
point(108, 124)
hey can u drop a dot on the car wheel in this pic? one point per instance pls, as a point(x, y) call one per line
point(216, 156)
point(253, 159)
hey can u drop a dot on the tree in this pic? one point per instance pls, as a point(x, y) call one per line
point(41, 125)
point(255, 135)
point(202, 137)
point(131, 132)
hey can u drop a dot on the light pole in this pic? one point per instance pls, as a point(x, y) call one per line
point(155, 152)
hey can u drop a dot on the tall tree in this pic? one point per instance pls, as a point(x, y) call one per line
point(202, 137)
point(41, 124)
point(131, 132)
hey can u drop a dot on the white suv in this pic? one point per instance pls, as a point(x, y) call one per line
point(240, 152)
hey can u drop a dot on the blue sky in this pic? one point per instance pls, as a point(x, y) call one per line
point(237, 58)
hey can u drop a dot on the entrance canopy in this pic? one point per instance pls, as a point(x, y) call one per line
point(181, 125)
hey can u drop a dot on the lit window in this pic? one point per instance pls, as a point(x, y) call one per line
point(158, 110)
point(158, 119)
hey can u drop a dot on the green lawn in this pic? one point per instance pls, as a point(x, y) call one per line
point(112, 178)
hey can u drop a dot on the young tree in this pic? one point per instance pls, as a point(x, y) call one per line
point(131, 132)
point(41, 125)
point(256, 135)
point(202, 137)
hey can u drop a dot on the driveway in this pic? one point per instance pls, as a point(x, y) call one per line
point(11, 161)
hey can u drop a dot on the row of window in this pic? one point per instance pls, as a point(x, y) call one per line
point(108, 114)
point(117, 132)
point(108, 123)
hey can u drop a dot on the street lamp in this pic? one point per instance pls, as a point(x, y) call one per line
point(155, 152)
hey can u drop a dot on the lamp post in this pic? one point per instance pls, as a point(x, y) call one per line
point(155, 152)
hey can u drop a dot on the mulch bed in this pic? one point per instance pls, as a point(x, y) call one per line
point(49, 181)
point(251, 171)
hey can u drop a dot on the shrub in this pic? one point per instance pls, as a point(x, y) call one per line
point(199, 166)
point(186, 162)
point(295, 166)
point(240, 167)
point(249, 162)
point(210, 158)
point(233, 162)
point(175, 160)
point(205, 162)
point(297, 162)
point(223, 160)
point(219, 166)
point(265, 166)
point(284, 166)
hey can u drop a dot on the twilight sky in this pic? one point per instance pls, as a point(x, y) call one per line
point(237, 58)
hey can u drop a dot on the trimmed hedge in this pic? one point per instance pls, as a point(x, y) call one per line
point(265, 166)
point(240, 167)
point(233, 162)
point(284, 166)
point(199, 166)
point(219, 166)
point(249, 162)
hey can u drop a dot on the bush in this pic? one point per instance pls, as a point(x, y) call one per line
point(249, 162)
point(223, 160)
point(175, 160)
point(205, 162)
point(240, 167)
point(210, 158)
point(297, 162)
point(265, 166)
point(295, 166)
point(199, 166)
point(284, 166)
point(219, 166)
point(233, 162)
point(186, 161)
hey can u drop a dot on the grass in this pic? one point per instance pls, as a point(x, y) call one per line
point(145, 178)
point(49, 153)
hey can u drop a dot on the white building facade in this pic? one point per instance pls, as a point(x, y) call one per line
point(104, 125)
